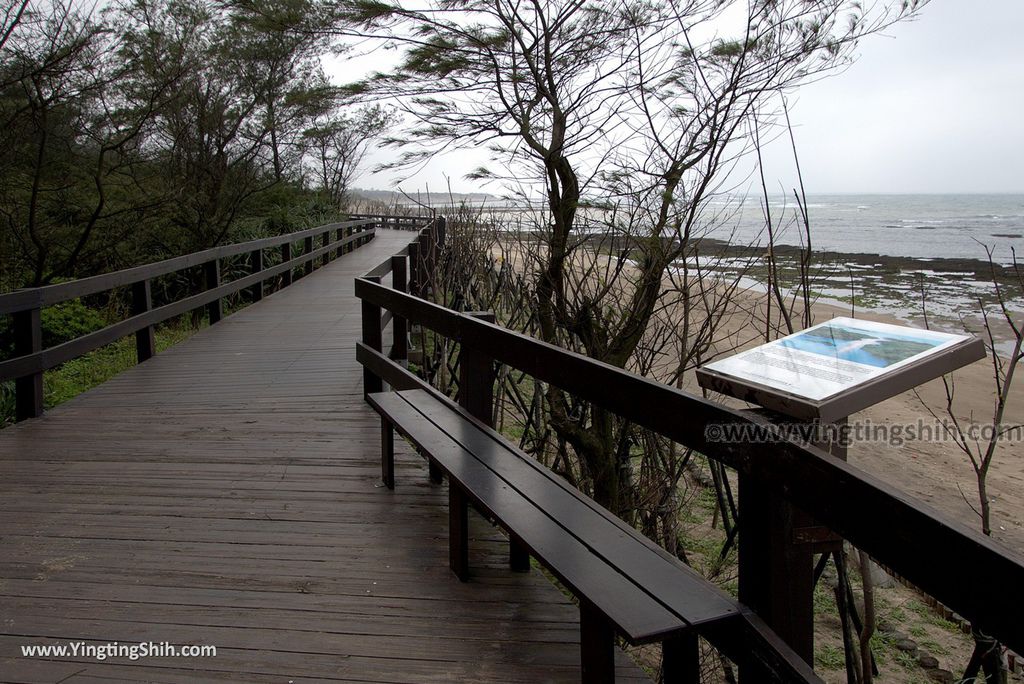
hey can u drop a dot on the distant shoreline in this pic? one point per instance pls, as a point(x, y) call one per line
point(917, 226)
point(943, 264)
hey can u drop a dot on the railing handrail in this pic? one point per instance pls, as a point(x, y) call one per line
point(887, 523)
point(48, 295)
point(25, 306)
point(45, 359)
point(398, 221)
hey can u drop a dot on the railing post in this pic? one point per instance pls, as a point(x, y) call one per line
point(255, 266)
point(308, 248)
point(414, 269)
point(426, 254)
point(776, 574)
point(476, 394)
point(145, 339)
point(477, 376)
point(777, 545)
point(372, 338)
point(339, 235)
point(399, 326)
point(286, 255)
point(423, 272)
point(28, 339)
point(440, 231)
point(215, 309)
point(325, 239)
point(436, 246)
point(435, 239)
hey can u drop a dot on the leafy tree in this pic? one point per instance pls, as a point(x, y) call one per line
point(69, 141)
point(207, 141)
point(337, 146)
point(156, 127)
point(280, 67)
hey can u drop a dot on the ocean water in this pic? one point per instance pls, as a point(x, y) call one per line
point(907, 226)
point(903, 256)
point(899, 255)
point(909, 257)
point(911, 226)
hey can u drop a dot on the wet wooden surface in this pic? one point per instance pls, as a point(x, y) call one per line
point(226, 492)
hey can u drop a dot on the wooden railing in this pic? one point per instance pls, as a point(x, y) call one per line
point(25, 306)
point(973, 575)
point(393, 222)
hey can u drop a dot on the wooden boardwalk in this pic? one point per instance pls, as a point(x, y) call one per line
point(226, 492)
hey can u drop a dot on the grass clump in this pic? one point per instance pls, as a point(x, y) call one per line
point(70, 379)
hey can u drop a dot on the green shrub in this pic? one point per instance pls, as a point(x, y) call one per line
point(67, 321)
point(829, 657)
point(78, 375)
point(60, 323)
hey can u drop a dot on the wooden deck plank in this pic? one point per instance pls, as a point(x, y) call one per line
point(227, 492)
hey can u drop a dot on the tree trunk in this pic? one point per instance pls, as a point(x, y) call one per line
point(986, 505)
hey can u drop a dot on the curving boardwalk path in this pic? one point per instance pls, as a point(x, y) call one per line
point(226, 492)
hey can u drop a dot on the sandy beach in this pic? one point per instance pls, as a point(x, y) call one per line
point(934, 470)
point(937, 471)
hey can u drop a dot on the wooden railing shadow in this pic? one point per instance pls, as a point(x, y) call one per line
point(970, 573)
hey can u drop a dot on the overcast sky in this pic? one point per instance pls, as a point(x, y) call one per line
point(934, 106)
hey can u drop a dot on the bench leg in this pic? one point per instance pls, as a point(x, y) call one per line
point(436, 476)
point(387, 453)
point(458, 532)
point(597, 646)
point(680, 660)
point(518, 556)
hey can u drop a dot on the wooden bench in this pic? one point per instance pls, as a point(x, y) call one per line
point(624, 583)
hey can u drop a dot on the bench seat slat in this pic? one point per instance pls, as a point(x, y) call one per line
point(634, 613)
point(681, 589)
